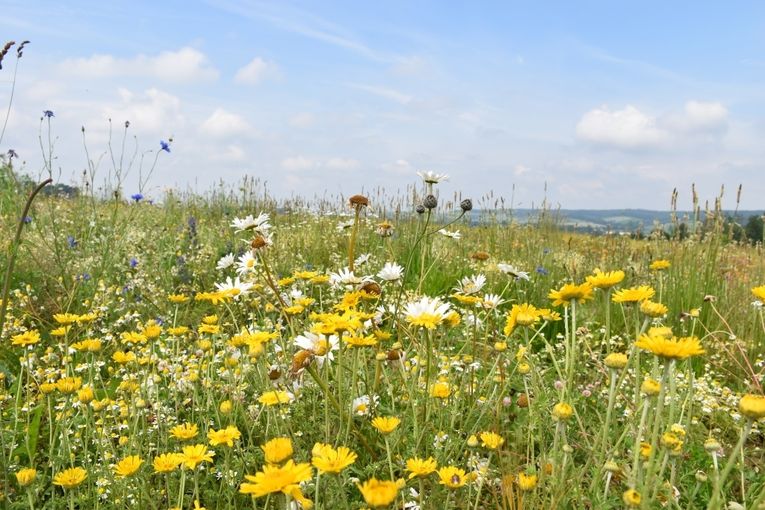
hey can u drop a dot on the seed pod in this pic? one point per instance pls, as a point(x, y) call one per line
point(430, 202)
point(466, 205)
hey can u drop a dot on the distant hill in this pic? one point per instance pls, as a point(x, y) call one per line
point(608, 220)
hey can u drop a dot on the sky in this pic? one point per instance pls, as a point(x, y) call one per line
point(588, 104)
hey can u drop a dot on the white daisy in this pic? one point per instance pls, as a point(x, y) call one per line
point(259, 224)
point(361, 405)
point(234, 288)
point(454, 235)
point(471, 284)
point(345, 277)
point(491, 301)
point(225, 262)
point(343, 225)
point(430, 177)
point(246, 264)
point(362, 259)
point(391, 272)
point(513, 271)
point(426, 312)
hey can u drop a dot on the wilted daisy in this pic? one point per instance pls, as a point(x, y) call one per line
point(321, 346)
point(454, 235)
point(471, 284)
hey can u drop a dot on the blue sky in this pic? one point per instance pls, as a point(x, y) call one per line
point(589, 104)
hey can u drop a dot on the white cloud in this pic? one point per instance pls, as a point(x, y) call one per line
point(153, 111)
point(222, 123)
point(399, 167)
point(342, 163)
point(184, 65)
point(384, 92)
point(232, 153)
point(703, 116)
point(520, 170)
point(297, 163)
point(628, 128)
point(255, 72)
point(302, 120)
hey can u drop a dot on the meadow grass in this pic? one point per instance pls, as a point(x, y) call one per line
point(136, 353)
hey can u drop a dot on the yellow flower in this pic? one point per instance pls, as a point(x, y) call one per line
point(601, 280)
point(70, 478)
point(633, 294)
point(178, 330)
point(330, 460)
point(196, 454)
point(527, 482)
point(89, 345)
point(128, 466)
point(178, 299)
point(616, 360)
point(225, 407)
point(419, 467)
point(562, 411)
point(68, 385)
point(212, 329)
point(30, 337)
point(62, 331)
point(631, 498)
point(645, 449)
point(521, 315)
point(759, 292)
point(379, 493)
point(360, 340)
point(752, 406)
point(441, 390)
point(650, 387)
point(123, 357)
point(277, 450)
point(491, 440)
point(184, 431)
point(670, 348)
point(570, 292)
point(26, 476)
point(385, 424)
point(167, 462)
point(133, 337)
point(272, 398)
point(452, 477)
point(652, 309)
point(65, 318)
point(659, 265)
point(284, 479)
point(151, 329)
point(225, 436)
point(85, 395)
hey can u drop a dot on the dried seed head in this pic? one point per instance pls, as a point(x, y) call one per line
point(466, 205)
point(420, 208)
point(301, 360)
point(394, 355)
point(371, 288)
point(358, 201)
point(258, 243)
point(274, 373)
point(480, 255)
point(430, 202)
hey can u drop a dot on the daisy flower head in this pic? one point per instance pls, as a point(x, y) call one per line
point(284, 479)
point(513, 271)
point(633, 294)
point(570, 292)
point(128, 466)
point(327, 459)
point(454, 235)
point(246, 264)
point(601, 280)
point(70, 478)
point(225, 262)
point(259, 224)
point(379, 493)
point(427, 312)
point(234, 288)
point(321, 346)
point(670, 348)
point(277, 450)
point(452, 477)
point(391, 272)
point(471, 284)
point(430, 177)
point(418, 467)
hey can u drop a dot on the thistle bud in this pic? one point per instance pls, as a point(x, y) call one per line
point(430, 202)
point(466, 205)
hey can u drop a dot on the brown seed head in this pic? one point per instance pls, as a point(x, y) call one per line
point(258, 243)
point(480, 255)
point(358, 201)
point(371, 288)
point(301, 360)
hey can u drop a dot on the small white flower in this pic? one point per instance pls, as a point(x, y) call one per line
point(259, 224)
point(225, 262)
point(345, 277)
point(430, 177)
point(454, 235)
point(246, 264)
point(513, 271)
point(362, 259)
point(361, 405)
point(391, 272)
point(344, 225)
point(471, 284)
point(491, 301)
point(234, 288)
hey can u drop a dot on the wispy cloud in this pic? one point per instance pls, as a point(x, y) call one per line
point(385, 92)
point(299, 21)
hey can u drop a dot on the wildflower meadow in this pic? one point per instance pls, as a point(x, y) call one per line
point(401, 351)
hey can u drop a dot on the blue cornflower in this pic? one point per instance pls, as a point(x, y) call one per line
point(546, 251)
point(48, 113)
point(27, 219)
point(12, 154)
point(71, 241)
point(542, 271)
point(85, 276)
point(137, 197)
point(133, 262)
point(164, 146)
